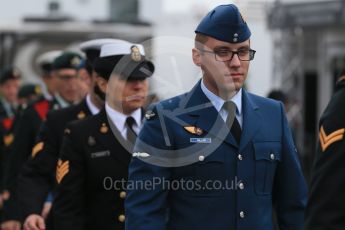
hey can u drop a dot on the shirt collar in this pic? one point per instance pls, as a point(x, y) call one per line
point(92, 107)
point(7, 107)
point(218, 101)
point(61, 101)
point(237, 99)
point(119, 119)
point(48, 96)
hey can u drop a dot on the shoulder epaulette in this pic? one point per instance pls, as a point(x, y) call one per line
point(42, 108)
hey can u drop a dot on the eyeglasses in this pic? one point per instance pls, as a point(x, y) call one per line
point(66, 77)
point(227, 55)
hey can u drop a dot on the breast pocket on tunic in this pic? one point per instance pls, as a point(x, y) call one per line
point(267, 156)
point(210, 176)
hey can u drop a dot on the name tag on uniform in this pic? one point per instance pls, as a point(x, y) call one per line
point(200, 140)
point(100, 154)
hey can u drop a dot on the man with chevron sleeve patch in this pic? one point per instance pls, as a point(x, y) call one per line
point(326, 205)
point(97, 150)
point(64, 70)
point(37, 177)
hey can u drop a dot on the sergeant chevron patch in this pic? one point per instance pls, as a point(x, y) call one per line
point(61, 170)
point(327, 140)
point(38, 147)
point(8, 139)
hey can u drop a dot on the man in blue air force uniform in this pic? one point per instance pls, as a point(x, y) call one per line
point(216, 157)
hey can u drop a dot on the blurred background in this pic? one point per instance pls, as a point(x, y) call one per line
point(300, 45)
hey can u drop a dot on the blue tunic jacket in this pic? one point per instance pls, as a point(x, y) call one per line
point(221, 185)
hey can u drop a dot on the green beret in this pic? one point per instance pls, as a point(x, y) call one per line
point(67, 60)
point(29, 90)
point(9, 73)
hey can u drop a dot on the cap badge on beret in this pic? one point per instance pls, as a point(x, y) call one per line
point(135, 53)
point(38, 89)
point(75, 61)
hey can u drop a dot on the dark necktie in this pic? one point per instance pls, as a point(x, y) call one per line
point(231, 120)
point(131, 135)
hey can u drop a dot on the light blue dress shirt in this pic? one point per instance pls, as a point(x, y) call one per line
point(218, 103)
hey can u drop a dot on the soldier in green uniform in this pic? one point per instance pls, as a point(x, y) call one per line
point(64, 70)
point(9, 86)
point(44, 63)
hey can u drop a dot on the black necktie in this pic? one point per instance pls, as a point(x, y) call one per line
point(231, 120)
point(131, 135)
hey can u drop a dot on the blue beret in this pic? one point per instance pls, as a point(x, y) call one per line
point(225, 23)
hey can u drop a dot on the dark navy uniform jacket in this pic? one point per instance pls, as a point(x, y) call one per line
point(264, 169)
point(94, 164)
point(25, 132)
point(37, 176)
point(326, 204)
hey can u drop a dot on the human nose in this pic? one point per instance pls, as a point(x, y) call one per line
point(235, 60)
point(138, 84)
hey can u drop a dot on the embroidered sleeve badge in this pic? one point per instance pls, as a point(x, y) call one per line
point(327, 140)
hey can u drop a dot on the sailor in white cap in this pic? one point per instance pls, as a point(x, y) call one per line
point(95, 149)
point(42, 164)
point(91, 49)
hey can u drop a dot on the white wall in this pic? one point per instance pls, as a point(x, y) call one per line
point(259, 79)
point(14, 10)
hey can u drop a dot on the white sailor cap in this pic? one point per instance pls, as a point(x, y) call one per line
point(92, 47)
point(123, 58)
point(45, 60)
point(97, 43)
point(121, 48)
